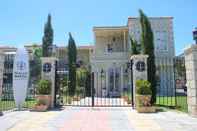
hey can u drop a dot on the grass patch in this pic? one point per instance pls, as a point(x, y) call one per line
point(7, 105)
point(166, 101)
point(182, 103)
point(10, 104)
point(178, 102)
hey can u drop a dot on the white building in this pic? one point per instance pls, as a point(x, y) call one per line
point(109, 56)
point(112, 52)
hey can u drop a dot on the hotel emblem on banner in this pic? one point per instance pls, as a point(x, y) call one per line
point(21, 65)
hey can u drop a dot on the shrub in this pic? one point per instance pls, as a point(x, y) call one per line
point(143, 87)
point(79, 90)
point(44, 87)
point(64, 82)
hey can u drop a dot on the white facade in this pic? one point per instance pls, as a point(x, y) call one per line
point(111, 55)
point(162, 28)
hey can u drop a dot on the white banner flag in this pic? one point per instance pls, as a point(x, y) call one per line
point(20, 76)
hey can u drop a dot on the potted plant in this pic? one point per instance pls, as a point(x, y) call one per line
point(125, 97)
point(43, 93)
point(40, 105)
point(129, 100)
point(143, 97)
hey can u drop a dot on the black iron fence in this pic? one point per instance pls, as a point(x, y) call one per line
point(171, 83)
point(180, 84)
point(91, 89)
point(7, 97)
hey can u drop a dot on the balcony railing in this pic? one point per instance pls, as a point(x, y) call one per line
point(109, 56)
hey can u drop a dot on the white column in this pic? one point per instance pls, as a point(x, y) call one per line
point(114, 71)
point(124, 47)
point(98, 83)
point(95, 82)
point(122, 79)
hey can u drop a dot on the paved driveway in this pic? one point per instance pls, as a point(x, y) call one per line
point(97, 119)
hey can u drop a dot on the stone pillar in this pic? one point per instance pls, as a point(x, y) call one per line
point(114, 75)
point(49, 74)
point(124, 42)
point(191, 76)
point(139, 69)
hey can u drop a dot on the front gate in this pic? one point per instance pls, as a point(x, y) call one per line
point(171, 83)
point(180, 84)
point(86, 94)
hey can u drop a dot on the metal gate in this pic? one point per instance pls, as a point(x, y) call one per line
point(180, 84)
point(86, 94)
point(171, 83)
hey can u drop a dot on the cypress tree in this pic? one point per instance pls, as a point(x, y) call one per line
point(147, 43)
point(47, 39)
point(72, 57)
point(134, 47)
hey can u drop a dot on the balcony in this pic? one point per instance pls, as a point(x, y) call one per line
point(109, 56)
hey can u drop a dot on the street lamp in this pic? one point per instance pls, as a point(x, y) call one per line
point(195, 34)
point(130, 66)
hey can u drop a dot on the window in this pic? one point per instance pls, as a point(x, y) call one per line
point(161, 40)
point(109, 48)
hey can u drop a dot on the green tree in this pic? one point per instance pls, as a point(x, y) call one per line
point(88, 84)
point(72, 57)
point(47, 39)
point(147, 43)
point(37, 51)
point(35, 63)
point(83, 80)
point(134, 46)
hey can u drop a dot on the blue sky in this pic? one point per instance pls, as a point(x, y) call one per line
point(22, 21)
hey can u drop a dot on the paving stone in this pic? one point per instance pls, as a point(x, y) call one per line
point(94, 119)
